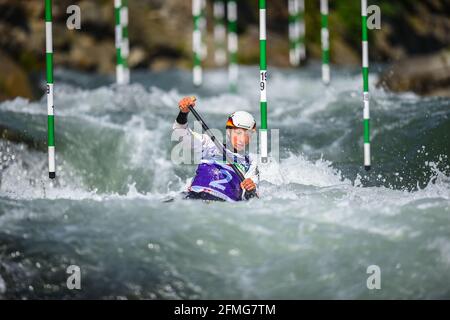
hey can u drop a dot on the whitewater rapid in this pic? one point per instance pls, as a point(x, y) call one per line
point(320, 222)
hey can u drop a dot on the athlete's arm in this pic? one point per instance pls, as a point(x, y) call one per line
point(202, 143)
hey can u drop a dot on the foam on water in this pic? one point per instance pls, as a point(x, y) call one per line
point(320, 222)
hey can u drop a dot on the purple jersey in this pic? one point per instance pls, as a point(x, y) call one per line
point(220, 180)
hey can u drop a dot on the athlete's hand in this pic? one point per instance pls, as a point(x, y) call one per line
point(248, 184)
point(185, 103)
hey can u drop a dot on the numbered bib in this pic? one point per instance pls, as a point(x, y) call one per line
point(219, 180)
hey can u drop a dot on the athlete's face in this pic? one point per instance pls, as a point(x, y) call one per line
point(240, 138)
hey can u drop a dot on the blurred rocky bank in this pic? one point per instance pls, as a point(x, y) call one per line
point(414, 37)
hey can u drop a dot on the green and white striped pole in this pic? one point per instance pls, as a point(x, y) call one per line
point(263, 79)
point(122, 42)
point(118, 33)
point(233, 69)
point(302, 27)
point(197, 43)
point(203, 29)
point(220, 55)
point(366, 96)
point(325, 42)
point(50, 106)
point(294, 32)
point(125, 41)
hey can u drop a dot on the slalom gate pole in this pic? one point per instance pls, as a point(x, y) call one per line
point(325, 36)
point(233, 69)
point(203, 30)
point(50, 105)
point(263, 79)
point(125, 42)
point(122, 43)
point(197, 43)
point(294, 32)
point(302, 30)
point(366, 96)
point(220, 56)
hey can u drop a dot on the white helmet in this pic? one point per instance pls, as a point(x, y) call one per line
point(241, 119)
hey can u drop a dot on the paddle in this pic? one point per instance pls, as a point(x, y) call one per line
point(252, 193)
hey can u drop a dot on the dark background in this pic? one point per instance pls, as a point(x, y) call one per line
point(160, 38)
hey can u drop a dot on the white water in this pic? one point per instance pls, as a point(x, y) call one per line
point(320, 222)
